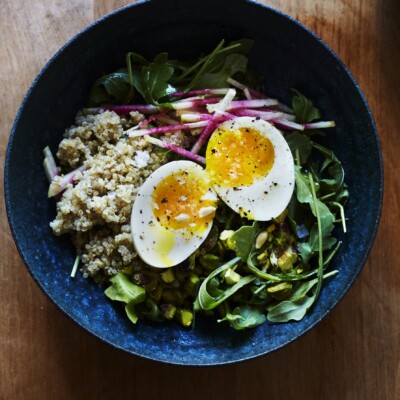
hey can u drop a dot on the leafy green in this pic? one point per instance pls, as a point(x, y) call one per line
point(244, 317)
point(210, 296)
point(122, 289)
point(131, 312)
point(242, 241)
point(299, 145)
point(304, 109)
point(155, 80)
point(296, 306)
point(304, 194)
point(233, 64)
point(114, 88)
point(151, 79)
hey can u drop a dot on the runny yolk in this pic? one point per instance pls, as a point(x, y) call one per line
point(179, 202)
point(238, 157)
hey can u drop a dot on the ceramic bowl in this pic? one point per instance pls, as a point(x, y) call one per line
point(288, 55)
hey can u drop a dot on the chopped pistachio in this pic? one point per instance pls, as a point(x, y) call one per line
point(271, 228)
point(192, 284)
point(273, 259)
point(182, 218)
point(168, 276)
point(280, 291)
point(226, 234)
point(156, 293)
point(168, 311)
point(209, 261)
point(285, 261)
point(206, 211)
point(172, 296)
point(261, 239)
point(262, 256)
point(231, 277)
point(280, 218)
point(185, 317)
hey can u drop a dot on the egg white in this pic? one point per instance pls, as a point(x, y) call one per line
point(266, 197)
point(155, 244)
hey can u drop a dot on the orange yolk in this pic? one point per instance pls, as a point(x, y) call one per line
point(178, 203)
point(239, 157)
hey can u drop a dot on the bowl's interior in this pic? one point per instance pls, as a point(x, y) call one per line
point(288, 56)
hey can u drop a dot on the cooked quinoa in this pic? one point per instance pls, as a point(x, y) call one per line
point(96, 209)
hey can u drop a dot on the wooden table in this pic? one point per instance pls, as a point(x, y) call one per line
point(352, 354)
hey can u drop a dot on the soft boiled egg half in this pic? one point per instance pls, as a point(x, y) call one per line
point(173, 213)
point(251, 167)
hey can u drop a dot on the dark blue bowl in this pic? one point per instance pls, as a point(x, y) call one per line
point(288, 55)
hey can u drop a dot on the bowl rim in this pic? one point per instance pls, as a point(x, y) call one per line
point(373, 228)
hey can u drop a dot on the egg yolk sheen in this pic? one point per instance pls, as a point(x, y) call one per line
point(238, 157)
point(180, 202)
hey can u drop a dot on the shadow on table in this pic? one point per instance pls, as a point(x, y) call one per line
point(320, 363)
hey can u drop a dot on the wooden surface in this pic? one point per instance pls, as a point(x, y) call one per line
point(352, 354)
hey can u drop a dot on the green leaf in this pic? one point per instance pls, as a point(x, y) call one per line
point(244, 317)
point(154, 82)
point(211, 296)
point(298, 304)
point(232, 64)
point(122, 289)
point(303, 190)
point(299, 144)
point(290, 310)
point(111, 89)
point(131, 312)
point(242, 241)
point(304, 109)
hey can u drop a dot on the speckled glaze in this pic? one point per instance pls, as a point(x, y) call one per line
point(288, 55)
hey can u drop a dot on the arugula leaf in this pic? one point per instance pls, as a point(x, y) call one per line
point(298, 304)
point(299, 145)
point(114, 88)
point(232, 64)
point(304, 109)
point(242, 241)
point(210, 297)
point(304, 195)
point(244, 317)
point(131, 312)
point(122, 289)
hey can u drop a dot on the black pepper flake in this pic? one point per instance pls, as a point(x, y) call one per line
point(235, 188)
point(141, 211)
point(213, 151)
point(158, 219)
point(164, 200)
point(275, 184)
point(141, 237)
point(168, 217)
point(265, 192)
point(258, 118)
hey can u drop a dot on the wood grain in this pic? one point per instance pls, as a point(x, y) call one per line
point(353, 354)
